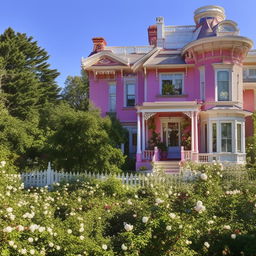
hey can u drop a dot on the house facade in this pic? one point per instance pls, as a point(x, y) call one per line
point(188, 95)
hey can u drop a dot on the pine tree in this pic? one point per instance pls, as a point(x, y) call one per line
point(28, 82)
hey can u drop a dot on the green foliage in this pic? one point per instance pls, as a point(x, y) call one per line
point(76, 91)
point(27, 81)
point(79, 141)
point(105, 218)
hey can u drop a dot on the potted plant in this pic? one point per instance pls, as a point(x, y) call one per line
point(162, 147)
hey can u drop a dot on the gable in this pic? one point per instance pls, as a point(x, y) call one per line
point(107, 61)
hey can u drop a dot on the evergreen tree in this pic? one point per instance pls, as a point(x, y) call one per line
point(28, 82)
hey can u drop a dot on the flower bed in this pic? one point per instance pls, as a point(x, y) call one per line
point(207, 217)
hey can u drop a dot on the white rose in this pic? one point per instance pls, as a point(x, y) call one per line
point(81, 237)
point(206, 244)
point(23, 251)
point(128, 227)
point(168, 228)
point(145, 219)
point(30, 239)
point(9, 209)
point(124, 247)
point(204, 176)
point(69, 231)
point(172, 215)
point(104, 247)
point(11, 243)
point(32, 251)
point(159, 201)
point(226, 227)
point(2, 163)
point(8, 229)
point(233, 236)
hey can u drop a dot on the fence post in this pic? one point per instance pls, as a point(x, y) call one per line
point(49, 175)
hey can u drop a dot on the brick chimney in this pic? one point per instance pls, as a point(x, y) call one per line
point(99, 44)
point(152, 35)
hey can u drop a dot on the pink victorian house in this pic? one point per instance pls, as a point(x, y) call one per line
point(188, 95)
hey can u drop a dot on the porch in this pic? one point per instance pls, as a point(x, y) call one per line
point(183, 132)
point(167, 132)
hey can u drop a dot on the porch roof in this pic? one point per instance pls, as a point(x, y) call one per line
point(228, 110)
point(167, 106)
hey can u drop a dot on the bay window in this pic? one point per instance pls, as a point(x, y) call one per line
point(239, 137)
point(226, 137)
point(171, 84)
point(214, 137)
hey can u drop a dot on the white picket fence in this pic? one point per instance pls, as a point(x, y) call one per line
point(49, 177)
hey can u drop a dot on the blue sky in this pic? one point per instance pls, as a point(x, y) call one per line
point(65, 28)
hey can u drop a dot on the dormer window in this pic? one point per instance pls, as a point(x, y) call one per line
point(171, 84)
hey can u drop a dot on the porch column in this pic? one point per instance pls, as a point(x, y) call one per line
point(138, 155)
point(192, 133)
point(143, 132)
point(196, 132)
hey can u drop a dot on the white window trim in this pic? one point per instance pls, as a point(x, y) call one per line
point(247, 71)
point(202, 82)
point(236, 137)
point(127, 81)
point(232, 137)
point(109, 84)
point(230, 83)
point(170, 73)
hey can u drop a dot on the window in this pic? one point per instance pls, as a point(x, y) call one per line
point(251, 72)
point(223, 85)
point(214, 137)
point(226, 137)
point(134, 139)
point(112, 97)
point(202, 83)
point(130, 94)
point(205, 138)
point(171, 84)
point(239, 138)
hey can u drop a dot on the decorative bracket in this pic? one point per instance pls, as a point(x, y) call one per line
point(188, 113)
point(148, 115)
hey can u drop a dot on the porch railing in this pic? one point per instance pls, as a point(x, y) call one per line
point(148, 154)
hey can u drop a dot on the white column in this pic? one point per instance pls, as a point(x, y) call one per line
point(234, 138)
point(196, 132)
point(192, 132)
point(138, 134)
point(143, 132)
point(243, 137)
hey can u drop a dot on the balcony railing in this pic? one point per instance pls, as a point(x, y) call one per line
point(129, 49)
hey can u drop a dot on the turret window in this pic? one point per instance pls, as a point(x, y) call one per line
point(223, 85)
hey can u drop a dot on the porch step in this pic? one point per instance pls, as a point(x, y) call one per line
point(167, 166)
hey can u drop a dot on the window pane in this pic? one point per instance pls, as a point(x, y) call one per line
point(239, 138)
point(252, 72)
point(130, 95)
point(226, 137)
point(112, 98)
point(134, 139)
point(171, 84)
point(223, 85)
point(214, 137)
point(130, 89)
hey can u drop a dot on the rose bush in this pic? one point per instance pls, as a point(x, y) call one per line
point(205, 216)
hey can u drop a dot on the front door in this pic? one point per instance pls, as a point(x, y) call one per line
point(171, 137)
